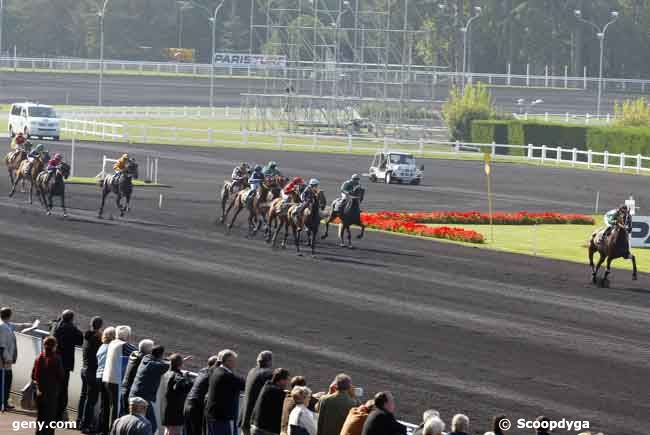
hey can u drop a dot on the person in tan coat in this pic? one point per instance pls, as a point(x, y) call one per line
point(356, 418)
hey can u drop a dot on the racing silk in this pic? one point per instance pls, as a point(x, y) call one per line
point(611, 217)
point(52, 165)
point(238, 174)
point(268, 172)
point(34, 154)
point(348, 187)
point(17, 143)
point(256, 179)
point(308, 196)
point(120, 165)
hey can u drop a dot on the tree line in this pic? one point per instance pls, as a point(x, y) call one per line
point(541, 33)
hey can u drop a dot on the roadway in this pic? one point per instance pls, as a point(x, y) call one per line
point(81, 89)
point(443, 326)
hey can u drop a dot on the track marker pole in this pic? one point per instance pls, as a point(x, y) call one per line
point(597, 201)
point(488, 173)
point(160, 201)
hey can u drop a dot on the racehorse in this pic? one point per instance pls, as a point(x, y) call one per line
point(278, 211)
point(258, 206)
point(229, 189)
point(350, 215)
point(308, 220)
point(29, 172)
point(13, 160)
point(50, 186)
point(616, 245)
point(123, 189)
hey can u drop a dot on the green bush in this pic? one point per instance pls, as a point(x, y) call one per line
point(632, 113)
point(465, 106)
point(491, 131)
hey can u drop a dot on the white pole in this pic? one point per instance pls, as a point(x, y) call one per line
point(160, 201)
point(597, 201)
point(72, 157)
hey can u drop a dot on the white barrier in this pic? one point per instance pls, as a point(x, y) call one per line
point(145, 112)
point(151, 168)
point(85, 127)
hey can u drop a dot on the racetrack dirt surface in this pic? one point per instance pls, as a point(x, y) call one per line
point(453, 328)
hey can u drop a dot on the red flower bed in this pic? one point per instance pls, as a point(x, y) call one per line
point(380, 222)
point(477, 218)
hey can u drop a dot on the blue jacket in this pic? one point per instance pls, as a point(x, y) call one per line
point(256, 178)
point(308, 195)
point(147, 378)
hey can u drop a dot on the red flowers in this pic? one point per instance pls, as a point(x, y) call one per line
point(406, 226)
point(477, 218)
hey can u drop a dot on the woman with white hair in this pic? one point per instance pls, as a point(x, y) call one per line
point(301, 419)
point(433, 426)
point(108, 335)
point(459, 425)
point(115, 367)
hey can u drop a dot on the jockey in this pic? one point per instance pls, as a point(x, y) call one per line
point(240, 175)
point(18, 142)
point(612, 218)
point(255, 181)
point(308, 196)
point(290, 188)
point(36, 153)
point(271, 170)
point(120, 166)
point(347, 189)
point(53, 165)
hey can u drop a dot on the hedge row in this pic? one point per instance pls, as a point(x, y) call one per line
point(616, 140)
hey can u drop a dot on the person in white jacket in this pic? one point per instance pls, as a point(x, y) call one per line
point(117, 356)
point(301, 420)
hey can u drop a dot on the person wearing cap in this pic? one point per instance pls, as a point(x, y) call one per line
point(307, 198)
point(239, 177)
point(136, 422)
point(348, 188)
point(119, 167)
point(68, 336)
point(289, 191)
point(257, 377)
point(18, 141)
point(53, 165)
point(271, 170)
point(255, 181)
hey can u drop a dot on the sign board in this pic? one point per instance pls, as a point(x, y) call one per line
point(245, 60)
point(641, 232)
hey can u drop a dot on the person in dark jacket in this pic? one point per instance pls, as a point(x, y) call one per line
point(195, 400)
point(381, 420)
point(144, 349)
point(48, 376)
point(89, 386)
point(147, 380)
point(176, 385)
point(68, 336)
point(267, 414)
point(256, 379)
point(223, 396)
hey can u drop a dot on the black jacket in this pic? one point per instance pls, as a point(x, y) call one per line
point(256, 379)
point(223, 394)
point(67, 336)
point(92, 342)
point(382, 422)
point(267, 414)
point(148, 377)
point(176, 385)
point(131, 370)
point(196, 396)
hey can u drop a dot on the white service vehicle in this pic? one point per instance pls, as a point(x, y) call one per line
point(33, 120)
point(395, 167)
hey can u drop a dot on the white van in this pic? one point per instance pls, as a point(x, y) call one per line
point(33, 120)
point(395, 166)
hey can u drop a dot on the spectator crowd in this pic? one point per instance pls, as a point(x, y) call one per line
point(127, 390)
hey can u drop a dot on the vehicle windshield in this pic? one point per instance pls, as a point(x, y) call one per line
point(402, 159)
point(42, 112)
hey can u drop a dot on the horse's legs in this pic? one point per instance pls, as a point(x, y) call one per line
point(232, 221)
point(600, 263)
point(327, 227)
point(224, 200)
point(634, 275)
point(31, 193)
point(118, 202)
point(275, 235)
point(15, 183)
point(286, 231)
point(101, 207)
point(50, 196)
point(592, 251)
point(127, 208)
point(349, 236)
point(11, 175)
point(363, 231)
point(607, 271)
point(297, 235)
point(341, 234)
point(65, 212)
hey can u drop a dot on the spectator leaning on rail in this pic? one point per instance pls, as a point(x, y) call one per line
point(459, 425)
point(333, 408)
point(103, 424)
point(433, 426)
point(144, 348)
point(381, 420)
point(48, 375)
point(134, 423)
point(301, 419)
point(89, 386)
point(9, 349)
point(147, 380)
point(267, 414)
point(175, 385)
point(429, 413)
point(118, 352)
point(256, 379)
point(68, 337)
point(195, 400)
point(223, 396)
point(356, 418)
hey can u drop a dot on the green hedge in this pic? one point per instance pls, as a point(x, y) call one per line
point(616, 140)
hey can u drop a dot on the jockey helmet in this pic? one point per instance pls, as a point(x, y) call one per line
point(298, 180)
point(273, 165)
point(20, 134)
point(356, 177)
point(244, 165)
point(39, 148)
point(314, 182)
point(57, 157)
point(257, 168)
point(623, 207)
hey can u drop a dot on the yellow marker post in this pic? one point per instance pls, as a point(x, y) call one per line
point(488, 173)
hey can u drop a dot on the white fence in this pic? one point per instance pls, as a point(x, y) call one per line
point(304, 70)
point(569, 118)
point(151, 168)
point(280, 140)
point(142, 112)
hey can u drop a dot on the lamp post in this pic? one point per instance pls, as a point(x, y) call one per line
point(101, 13)
point(183, 5)
point(2, 18)
point(466, 30)
point(600, 33)
point(213, 23)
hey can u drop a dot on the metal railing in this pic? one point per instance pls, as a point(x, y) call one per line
point(281, 140)
point(145, 112)
point(569, 118)
point(367, 73)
